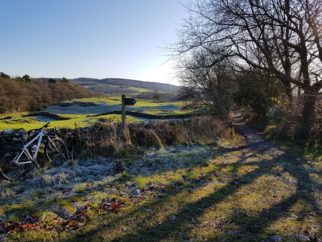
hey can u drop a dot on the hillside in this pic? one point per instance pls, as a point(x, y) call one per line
point(124, 86)
point(26, 94)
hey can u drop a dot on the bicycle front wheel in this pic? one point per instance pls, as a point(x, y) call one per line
point(56, 152)
point(15, 172)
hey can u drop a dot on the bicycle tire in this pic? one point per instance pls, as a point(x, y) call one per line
point(56, 152)
point(16, 172)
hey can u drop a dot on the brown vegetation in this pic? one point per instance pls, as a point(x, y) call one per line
point(25, 94)
point(283, 120)
point(108, 139)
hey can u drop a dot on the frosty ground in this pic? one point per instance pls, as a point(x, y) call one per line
point(251, 191)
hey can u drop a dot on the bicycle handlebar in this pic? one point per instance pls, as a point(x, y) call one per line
point(43, 127)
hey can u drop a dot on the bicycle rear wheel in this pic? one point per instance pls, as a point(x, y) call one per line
point(56, 152)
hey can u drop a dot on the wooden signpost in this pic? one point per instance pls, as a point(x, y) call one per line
point(126, 102)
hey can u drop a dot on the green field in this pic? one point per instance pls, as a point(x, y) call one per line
point(115, 100)
point(79, 118)
point(76, 121)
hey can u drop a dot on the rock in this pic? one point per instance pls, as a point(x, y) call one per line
point(135, 192)
point(301, 237)
point(7, 131)
point(2, 229)
point(275, 238)
point(62, 212)
point(233, 232)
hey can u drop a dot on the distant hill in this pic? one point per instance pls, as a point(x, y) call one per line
point(124, 86)
point(25, 94)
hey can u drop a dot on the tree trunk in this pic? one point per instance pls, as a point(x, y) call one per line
point(288, 91)
point(308, 117)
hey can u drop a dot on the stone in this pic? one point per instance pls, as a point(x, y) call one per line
point(275, 238)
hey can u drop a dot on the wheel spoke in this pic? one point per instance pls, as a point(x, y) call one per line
point(56, 152)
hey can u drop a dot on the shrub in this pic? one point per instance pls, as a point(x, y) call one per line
point(284, 122)
point(146, 138)
point(108, 139)
point(195, 130)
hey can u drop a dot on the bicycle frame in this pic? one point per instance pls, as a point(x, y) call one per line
point(31, 157)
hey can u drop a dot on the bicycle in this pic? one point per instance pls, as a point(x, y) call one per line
point(20, 162)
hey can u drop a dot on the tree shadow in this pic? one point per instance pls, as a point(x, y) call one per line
point(250, 225)
point(171, 190)
point(188, 211)
point(33, 205)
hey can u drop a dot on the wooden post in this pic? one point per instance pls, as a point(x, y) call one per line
point(123, 113)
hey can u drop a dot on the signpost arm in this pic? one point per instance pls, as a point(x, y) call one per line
point(123, 112)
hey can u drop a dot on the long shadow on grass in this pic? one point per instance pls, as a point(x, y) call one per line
point(169, 191)
point(250, 226)
point(163, 230)
point(35, 206)
point(254, 225)
point(170, 228)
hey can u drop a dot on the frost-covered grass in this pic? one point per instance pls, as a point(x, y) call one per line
point(79, 116)
point(74, 121)
point(115, 100)
point(179, 193)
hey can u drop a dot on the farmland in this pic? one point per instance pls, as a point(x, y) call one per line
point(79, 113)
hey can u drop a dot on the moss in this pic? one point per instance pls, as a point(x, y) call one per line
point(47, 219)
point(33, 235)
point(38, 194)
point(80, 187)
point(67, 205)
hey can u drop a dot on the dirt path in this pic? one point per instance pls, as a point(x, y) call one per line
point(255, 142)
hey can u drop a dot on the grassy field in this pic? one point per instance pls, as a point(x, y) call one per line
point(78, 118)
point(184, 193)
point(74, 121)
point(116, 100)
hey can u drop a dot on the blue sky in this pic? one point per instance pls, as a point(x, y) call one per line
point(89, 38)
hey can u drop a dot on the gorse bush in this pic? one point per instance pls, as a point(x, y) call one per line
point(25, 94)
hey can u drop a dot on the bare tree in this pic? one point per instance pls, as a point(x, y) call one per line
point(209, 82)
point(279, 37)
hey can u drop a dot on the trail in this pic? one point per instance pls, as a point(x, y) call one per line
point(254, 139)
